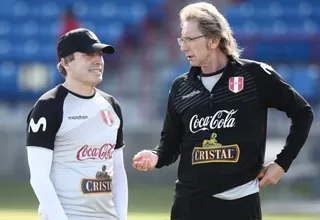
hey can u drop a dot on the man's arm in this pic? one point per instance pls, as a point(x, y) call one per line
point(42, 125)
point(168, 150)
point(40, 160)
point(119, 181)
point(280, 95)
point(120, 185)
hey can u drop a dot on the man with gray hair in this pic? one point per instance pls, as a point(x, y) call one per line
point(216, 120)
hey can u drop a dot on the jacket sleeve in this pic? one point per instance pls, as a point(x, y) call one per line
point(168, 150)
point(280, 95)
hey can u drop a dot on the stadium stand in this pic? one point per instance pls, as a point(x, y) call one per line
point(283, 33)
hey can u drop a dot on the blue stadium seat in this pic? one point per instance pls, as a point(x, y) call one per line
point(8, 77)
point(29, 30)
point(6, 8)
point(286, 71)
point(306, 80)
point(282, 51)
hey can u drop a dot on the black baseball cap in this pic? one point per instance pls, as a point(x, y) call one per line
point(81, 40)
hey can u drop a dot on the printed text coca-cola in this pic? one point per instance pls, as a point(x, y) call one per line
point(221, 119)
point(95, 153)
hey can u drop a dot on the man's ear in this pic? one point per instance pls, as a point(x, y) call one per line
point(214, 42)
point(64, 63)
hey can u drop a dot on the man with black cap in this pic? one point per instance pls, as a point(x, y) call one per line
point(75, 139)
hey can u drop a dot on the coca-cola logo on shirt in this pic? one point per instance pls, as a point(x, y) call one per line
point(95, 153)
point(221, 119)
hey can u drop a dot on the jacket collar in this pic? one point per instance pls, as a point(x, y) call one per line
point(233, 66)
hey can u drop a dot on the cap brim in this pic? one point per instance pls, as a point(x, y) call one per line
point(105, 48)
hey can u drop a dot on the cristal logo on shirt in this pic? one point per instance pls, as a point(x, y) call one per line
point(96, 153)
point(221, 119)
point(101, 184)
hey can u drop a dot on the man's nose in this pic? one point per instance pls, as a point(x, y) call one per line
point(183, 46)
point(98, 59)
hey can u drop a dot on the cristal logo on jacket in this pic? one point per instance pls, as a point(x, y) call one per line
point(95, 153)
point(221, 119)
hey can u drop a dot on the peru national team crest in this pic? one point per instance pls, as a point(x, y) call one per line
point(107, 117)
point(236, 84)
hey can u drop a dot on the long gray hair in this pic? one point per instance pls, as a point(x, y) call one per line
point(212, 24)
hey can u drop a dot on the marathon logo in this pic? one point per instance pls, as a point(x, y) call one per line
point(101, 184)
point(191, 94)
point(79, 117)
point(213, 152)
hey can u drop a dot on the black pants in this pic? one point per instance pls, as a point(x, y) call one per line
point(246, 208)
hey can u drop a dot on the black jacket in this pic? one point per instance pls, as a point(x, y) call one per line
point(221, 135)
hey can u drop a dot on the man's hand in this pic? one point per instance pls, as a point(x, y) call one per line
point(145, 160)
point(270, 174)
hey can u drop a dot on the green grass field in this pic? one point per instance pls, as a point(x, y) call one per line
point(29, 215)
point(17, 202)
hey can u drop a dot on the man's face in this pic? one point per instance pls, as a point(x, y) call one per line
point(87, 68)
point(194, 44)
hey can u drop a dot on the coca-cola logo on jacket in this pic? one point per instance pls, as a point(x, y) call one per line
point(221, 119)
point(95, 153)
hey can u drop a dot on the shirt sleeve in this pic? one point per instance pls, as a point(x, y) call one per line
point(120, 185)
point(280, 95)
point(168, 150)
point(43, 123)
point(40, 162)
point(120, 142)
